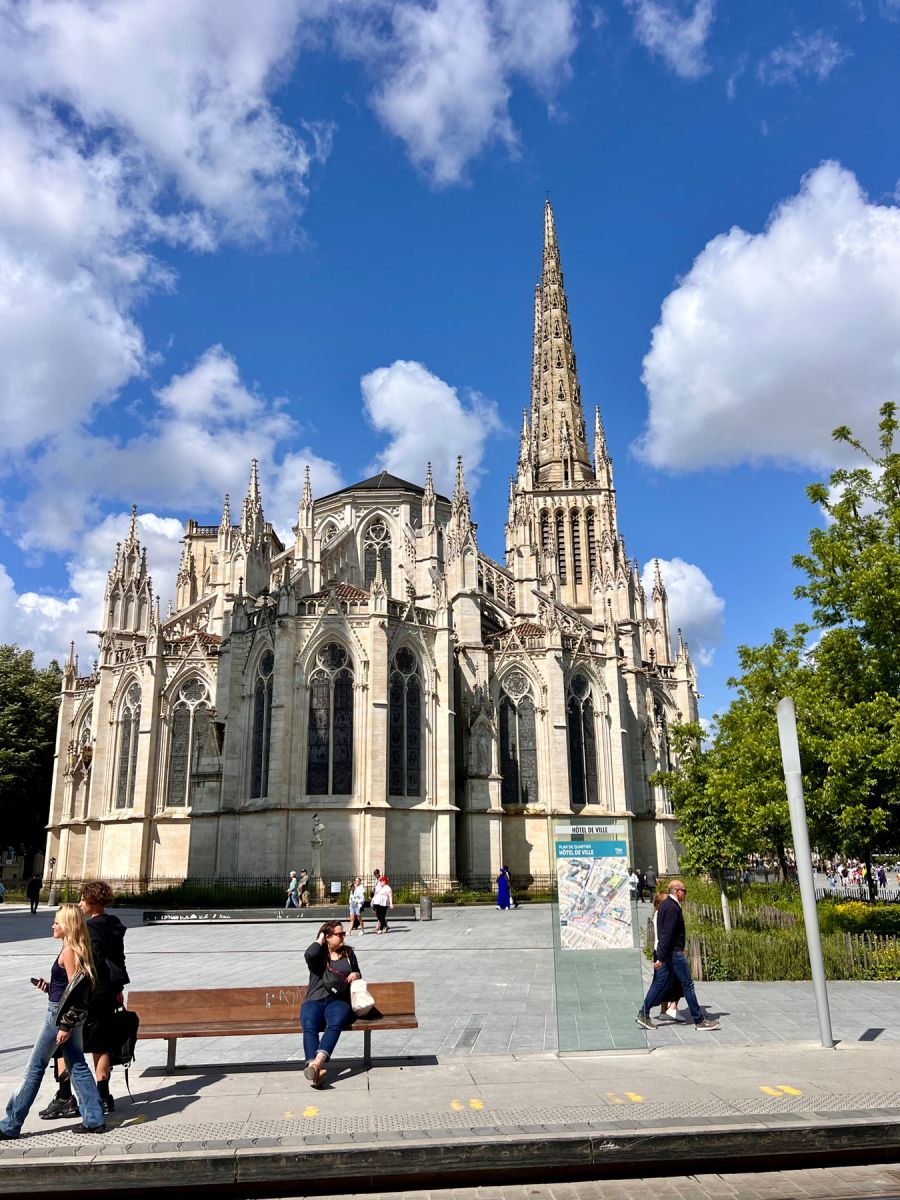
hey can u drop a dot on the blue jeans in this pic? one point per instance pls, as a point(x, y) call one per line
point(292, 901)
point(332, 1016)
point(677, 965)
point(79, 1072)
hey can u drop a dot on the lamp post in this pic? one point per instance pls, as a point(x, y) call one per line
point(51, 896)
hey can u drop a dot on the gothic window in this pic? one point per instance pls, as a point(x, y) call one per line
point(518, 742)
point(559, 392)
point(377, 547)
point(329, 760)
point(559, 358)
point(190, 728)
point(582, 743)
point(591, 539)
point(126, 766)
point(556, 329)
point(328, 535)
point(405, 726)
point(561, 545)
point(262, 727)
point(576, 545)
point(545, 530)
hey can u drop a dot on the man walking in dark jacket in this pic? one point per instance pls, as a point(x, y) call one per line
point(670, 960)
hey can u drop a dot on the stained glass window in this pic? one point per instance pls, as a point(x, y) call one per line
point(518, 743)
point(329, 760)
point(190, 727)
point(129, 726)
point(405, 726)
point(582, 743)
point(262, 727)
point(377, 546)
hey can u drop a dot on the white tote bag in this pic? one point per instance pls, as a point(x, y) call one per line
point(361, 1000)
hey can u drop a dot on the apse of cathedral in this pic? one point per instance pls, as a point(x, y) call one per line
point(437, 709)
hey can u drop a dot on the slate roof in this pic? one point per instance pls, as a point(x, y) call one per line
point(384, 481)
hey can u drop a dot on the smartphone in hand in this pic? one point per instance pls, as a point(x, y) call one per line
point(41, 983)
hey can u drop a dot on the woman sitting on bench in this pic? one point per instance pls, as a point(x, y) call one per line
point(326, 1010)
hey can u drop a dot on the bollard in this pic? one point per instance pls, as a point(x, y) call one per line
point(424, 908)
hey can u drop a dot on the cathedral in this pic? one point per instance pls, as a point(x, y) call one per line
point(437, 709)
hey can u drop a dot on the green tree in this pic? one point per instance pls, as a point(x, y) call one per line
point(29, 700)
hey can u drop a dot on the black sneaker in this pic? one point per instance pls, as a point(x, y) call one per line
point(60, 1106)
point(644, 1021)
point(109, 1104)
point(84, 1129)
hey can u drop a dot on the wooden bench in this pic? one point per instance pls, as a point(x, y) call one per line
point(244, 1012)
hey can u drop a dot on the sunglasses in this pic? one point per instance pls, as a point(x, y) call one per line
point(334, 933)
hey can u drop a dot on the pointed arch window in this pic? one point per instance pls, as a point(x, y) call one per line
point(262, 726)
point(126, 764)
point(591, 539)
point(582, 743)
point(405, 726)
point(190, 730)
point(561, 545)
point(545, 530)
point(329, 760)
point(377, 547)
point(518, 744)
point(576, 545)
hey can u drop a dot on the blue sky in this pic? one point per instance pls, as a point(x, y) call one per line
point(314, 237)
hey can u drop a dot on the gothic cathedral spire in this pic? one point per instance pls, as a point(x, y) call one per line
point(562, 453)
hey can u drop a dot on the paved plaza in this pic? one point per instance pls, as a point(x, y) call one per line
point(481, 1068)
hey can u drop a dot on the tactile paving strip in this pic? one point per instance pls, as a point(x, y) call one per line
point(147, 1138)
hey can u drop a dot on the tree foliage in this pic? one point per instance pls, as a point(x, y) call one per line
point(29, 700)
point(843, 674)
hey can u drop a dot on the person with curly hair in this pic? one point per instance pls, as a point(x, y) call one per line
point(72, 979)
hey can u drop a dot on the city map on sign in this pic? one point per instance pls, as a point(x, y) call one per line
point(594, 902)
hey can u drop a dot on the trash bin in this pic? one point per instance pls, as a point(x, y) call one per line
point(424, 908)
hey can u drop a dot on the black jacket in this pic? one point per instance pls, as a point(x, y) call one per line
point(670, 934)
point(73, 1003)
point(108, 944)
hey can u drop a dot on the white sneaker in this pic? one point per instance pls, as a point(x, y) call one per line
point(668, 1019)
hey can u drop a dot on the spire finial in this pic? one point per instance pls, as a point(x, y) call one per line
point(307, 486)
point(131, 540)
point(429, 483)
point(226, 513)
point(549, 226)
point(253, 490)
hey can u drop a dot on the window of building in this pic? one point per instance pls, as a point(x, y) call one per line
point(582, 743)
point(405, 726)
point(518, 744)
point(545, 530)
point(329, 763)
point(591, 539)
point(377, 547)
point(262, 727)
point(129, 727)
point(576, 546)
point(561, 545)
point(189, 731)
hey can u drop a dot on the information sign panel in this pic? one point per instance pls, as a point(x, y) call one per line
point(595, 903)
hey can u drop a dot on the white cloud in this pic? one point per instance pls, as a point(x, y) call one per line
point(427, 421)
point(694, 607)
point(124, 125)
point(195, 447)
point(773, 339)
point(446, 70)
point(47, 622)
point(816, 54)
point(675, 32)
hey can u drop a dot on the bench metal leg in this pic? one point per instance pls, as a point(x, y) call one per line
point(170, 1057)
point(367, 1047)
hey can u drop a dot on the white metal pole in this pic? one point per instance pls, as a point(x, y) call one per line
point(793, 778)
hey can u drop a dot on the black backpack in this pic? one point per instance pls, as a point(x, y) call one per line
point(124, 1026)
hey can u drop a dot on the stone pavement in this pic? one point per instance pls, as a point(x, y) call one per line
point(478, 1087)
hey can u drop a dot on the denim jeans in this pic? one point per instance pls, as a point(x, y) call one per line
point(332, 1016)
point(292, 901)
point(677, 965)
point(79, 1072)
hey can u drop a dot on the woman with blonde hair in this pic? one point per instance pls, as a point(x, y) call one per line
point(72, 979)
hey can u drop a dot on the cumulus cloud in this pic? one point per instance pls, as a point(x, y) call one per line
point(446, 70)
point(773, 339)
point(124, 126)
point(196, 446)
point(815, 54)
point(675, 32)
point(47, 622)
point(694, 607)
point(427, 421)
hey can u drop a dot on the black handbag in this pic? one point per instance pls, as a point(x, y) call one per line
point(335, 983)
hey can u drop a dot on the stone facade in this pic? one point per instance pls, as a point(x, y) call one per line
point(436, 708)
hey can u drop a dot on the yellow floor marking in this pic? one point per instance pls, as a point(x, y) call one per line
point(131, 1121)
point(476, 1104)
point(310, 1111)
point(289, 1114)
point(615, 1099)
point(457, 1105)
point(770, 1091)
point(634, 1097)
point(789, 1091)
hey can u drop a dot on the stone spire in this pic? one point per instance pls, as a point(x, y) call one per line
point(252, 521)
point(661, 613)
point(603, 471)
point(460, 505)
point(536, 359)
point(128, 598)
point(225, 523)
point(559, 393)
point(304, 512)
point(429, 500)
